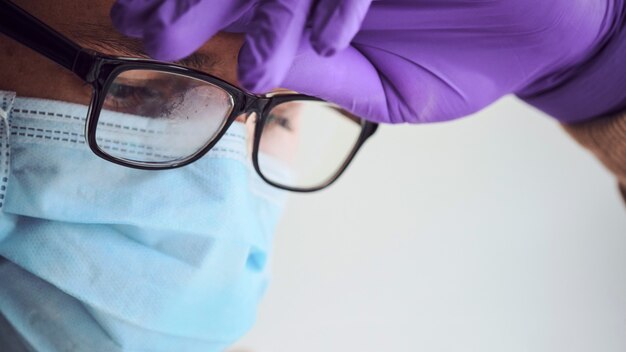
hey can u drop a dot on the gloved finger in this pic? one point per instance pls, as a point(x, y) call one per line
point(172, 30)
point(378, 84)
point(129, 16)
point(271, 43)
point(348, 79)
point(335, 23)
point(243, 23)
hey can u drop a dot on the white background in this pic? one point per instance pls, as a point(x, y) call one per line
point(492, 233)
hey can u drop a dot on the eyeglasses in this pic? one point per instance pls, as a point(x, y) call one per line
point(153, 115)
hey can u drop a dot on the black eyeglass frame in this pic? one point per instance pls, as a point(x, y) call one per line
point(100, 70)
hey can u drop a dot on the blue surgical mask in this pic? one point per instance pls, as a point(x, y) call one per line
point(99, 257)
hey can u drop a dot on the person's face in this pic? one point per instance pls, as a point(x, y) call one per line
point(223, 257)
point(88, 23)
point(199, 266)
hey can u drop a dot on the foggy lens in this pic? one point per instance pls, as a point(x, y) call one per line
point(158, 117)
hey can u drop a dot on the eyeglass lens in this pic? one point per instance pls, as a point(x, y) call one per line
point(305, 143)
point(159, 117)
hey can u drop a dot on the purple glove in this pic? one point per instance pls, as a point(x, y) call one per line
point(412, 60)
point(174, 29)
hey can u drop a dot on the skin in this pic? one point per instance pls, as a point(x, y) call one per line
point(23, 70)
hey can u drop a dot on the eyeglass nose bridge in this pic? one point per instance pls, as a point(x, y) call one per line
point(255, 104)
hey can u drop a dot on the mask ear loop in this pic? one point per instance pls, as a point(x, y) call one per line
point(5, 131)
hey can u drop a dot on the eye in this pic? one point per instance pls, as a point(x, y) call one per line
point(274, 119)
point(124, 96)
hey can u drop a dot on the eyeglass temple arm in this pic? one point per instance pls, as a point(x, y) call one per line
point(30, 31)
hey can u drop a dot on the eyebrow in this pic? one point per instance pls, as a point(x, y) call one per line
point(105, 38)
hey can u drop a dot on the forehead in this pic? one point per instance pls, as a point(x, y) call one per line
point(68, 11)
point(88, 23)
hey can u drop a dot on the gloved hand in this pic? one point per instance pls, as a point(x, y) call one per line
point(411, 60)
point(174, 29)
